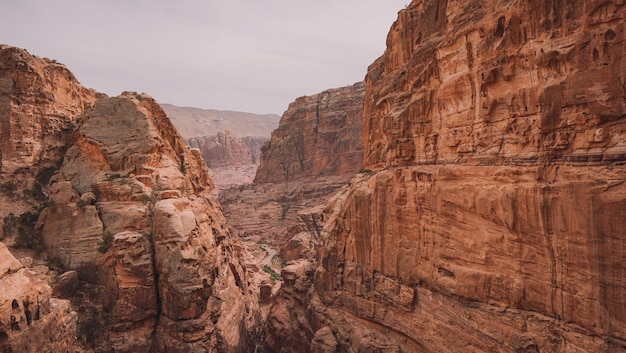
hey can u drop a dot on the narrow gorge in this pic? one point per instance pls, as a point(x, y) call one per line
point(468, 196)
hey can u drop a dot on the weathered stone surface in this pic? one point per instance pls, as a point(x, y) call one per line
point(146, 233)
point(494, 220)
point(30, 320)
point(314, 152)
point(324, 341)
point(224, 149)
point(40, 104)
point(319, 135)
point(40, 101)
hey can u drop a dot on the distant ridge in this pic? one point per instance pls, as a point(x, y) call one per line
point(197, 122)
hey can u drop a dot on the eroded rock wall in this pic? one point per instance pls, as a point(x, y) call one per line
point(318, 135)
point(494, 216)
point(132, 213)
point(315, 151)
point(40, 101)
point(226, 150)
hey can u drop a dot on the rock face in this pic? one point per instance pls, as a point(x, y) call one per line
point(494, 220)
point(132, 214)
point(40, 103)
point(319, 135)
point(225, 150)
point(30, 319)
point(313, 153)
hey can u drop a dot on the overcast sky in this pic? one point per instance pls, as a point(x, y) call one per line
point(247, 55)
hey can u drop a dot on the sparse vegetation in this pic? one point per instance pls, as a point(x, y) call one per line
point(81, 203)
point(24, 226)
point(112, 177)
point(107, 242)
point(8, 188)
point(366, 171)
point(274, 276)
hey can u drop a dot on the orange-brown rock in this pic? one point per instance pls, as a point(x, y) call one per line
point(40, 101)
point(30, 319)
point(132, 213)
point(225, 150)
point(40, 104)
point(318, 135)
point(313, 153)
point(494, 219)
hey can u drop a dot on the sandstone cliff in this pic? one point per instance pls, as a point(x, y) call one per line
point(131, 213)
point(152, 265)
point(225, 150)
point(30, 319)
point(40, 104)
point(319, 135)
point(494, 219)
point(314, 152)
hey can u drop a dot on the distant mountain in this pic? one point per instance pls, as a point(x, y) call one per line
point(196, 122)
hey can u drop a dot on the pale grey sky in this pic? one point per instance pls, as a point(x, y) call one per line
point(247, 55)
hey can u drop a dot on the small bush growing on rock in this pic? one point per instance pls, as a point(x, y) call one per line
point(81, 203)
point(112, 177)
point(27, 237)
point(107, 242)
point(274, 276)
point(9, 188)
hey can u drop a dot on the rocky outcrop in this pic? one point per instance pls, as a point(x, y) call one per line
point(319, 135)
point(40, 104)
point(493, 220)
point(40, 100)
point(131, 213)
point(313, 153)
point(226, 150)
point(30, 319)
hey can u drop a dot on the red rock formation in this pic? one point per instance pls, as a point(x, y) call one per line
point(319, 135)
point(314, 152)
point(129, 210)
point(30, 319)
point(494, 220)
point(146, 230)
point(226, 150)
point(40, 101)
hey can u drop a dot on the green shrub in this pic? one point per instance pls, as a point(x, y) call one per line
point(81, 203)
point(27, 237)
point(107, 242)
point(274, 276)
point(8, 188)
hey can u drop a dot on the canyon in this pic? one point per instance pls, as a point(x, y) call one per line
point(468, 196)
point(230, 142)
point(493, 216)
point(124, 217)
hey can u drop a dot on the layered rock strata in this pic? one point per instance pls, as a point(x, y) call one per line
point(40, 104)
point(319, 135)
point(30, 319)
point(313, 153)
point(225, 150)
point(494, 217)
point(130, 211)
